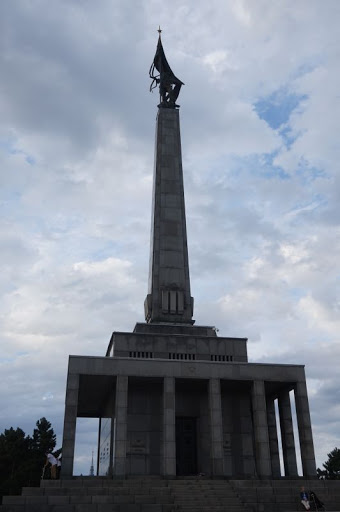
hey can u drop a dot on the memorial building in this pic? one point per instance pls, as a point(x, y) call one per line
point(172, 398)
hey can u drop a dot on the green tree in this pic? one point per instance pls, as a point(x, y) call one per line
point(44, 438)
point(14, 456)
point(332, 464)
point(22, 457)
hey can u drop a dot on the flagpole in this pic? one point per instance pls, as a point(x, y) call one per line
point(160, 67)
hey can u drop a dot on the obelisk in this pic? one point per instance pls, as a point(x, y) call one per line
point(169, 298)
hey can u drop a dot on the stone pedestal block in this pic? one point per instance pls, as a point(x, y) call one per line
point(121, 403)
point(287, 434)
point(262, 449)
point(305, 430)
point(216, 429)
point(70, 423)
point(169, 427)
point(273, 439)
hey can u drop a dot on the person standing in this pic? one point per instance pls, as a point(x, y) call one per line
point(50, 459)
point(59, 466)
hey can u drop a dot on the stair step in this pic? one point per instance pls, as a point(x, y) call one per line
point(101, 495)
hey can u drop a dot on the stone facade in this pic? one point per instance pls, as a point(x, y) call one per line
point(226, 401)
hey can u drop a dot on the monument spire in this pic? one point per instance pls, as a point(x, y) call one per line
point(169, 298)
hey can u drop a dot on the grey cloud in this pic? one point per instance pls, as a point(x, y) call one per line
point(74, 99)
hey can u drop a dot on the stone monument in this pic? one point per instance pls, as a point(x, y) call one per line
point(185, 422)
point(173, 398)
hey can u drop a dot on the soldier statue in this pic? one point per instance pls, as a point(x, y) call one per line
point(169, 84)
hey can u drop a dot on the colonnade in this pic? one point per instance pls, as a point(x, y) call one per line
point(266, 435)
point(266, 444)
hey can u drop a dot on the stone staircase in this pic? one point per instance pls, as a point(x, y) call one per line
point(86, 494)
point(282, 495)
point(205, 495)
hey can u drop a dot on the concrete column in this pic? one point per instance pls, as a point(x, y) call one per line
point(121, 404)
point(70, 422)
point(216, 429)
point(169, 427)
point(273, 439)
point(287, 434)
point(98, 446)
point(261, 436)
point(305, 430)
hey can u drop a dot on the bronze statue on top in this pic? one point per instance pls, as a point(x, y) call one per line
point(169, 84)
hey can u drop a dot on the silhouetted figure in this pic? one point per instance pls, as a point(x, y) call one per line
point(169, 84)
point(50, 459)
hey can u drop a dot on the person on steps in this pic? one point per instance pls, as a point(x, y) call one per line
point(50, 459)
point(304, 498)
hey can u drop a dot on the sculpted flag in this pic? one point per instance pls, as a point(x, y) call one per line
point(169, 84)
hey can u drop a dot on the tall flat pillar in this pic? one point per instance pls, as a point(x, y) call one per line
point(305, 430)
point(121, 403)
point(98, 444)
point(169, 427)
point(273, 438)
point(261, 436)
point(168, 298)
point(216, 428)
point(287, 434)
point(70, 423)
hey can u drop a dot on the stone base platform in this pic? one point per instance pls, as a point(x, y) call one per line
point(196, 494)
point(283, 495)
point(131, 495)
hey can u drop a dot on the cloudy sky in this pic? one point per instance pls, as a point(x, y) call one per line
point(260, 117)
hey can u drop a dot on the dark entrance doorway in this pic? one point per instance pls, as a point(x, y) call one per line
point(186, 446)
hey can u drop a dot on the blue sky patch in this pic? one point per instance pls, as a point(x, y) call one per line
point(276, 108)
point(30, 160)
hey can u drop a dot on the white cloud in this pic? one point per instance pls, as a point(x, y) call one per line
point(76, 150)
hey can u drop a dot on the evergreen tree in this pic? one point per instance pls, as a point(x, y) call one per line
point(44, 438)
point(14, 456)
point(332, 465)
point(22, 457)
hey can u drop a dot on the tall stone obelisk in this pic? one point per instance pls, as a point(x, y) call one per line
point(169, 298)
